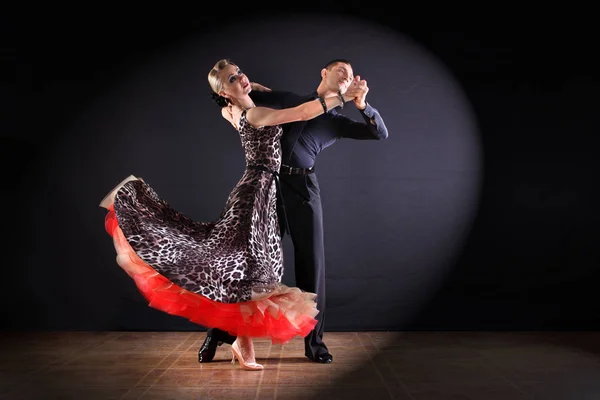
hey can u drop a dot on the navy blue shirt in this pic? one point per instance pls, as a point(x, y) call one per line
point(302, 141)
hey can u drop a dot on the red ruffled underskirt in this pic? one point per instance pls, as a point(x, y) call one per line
point(280, 315)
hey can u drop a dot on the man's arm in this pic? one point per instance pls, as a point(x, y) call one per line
point(277, 99)
point(373, 127)
point(272, 99)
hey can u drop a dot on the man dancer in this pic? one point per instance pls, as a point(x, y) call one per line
point(300, 143)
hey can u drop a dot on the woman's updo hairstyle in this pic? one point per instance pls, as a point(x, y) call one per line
point(215, 83)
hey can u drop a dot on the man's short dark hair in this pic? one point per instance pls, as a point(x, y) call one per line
point(337, 60)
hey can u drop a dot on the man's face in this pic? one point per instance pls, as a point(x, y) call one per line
point(339, 77)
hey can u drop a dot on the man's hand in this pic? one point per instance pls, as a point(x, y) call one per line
point(258, 87)
point(357, 91)
point(361, 89)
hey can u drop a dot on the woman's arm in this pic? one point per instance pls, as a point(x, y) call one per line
point(262, 116)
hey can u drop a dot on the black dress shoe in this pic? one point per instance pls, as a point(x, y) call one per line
point(209, 347)
point(325, 358)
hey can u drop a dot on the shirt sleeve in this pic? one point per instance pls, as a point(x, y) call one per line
point(276, 99)
point(373, 127)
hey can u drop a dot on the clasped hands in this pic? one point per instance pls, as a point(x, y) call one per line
point(357, 92)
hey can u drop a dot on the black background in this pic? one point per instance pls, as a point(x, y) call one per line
point(531, 257)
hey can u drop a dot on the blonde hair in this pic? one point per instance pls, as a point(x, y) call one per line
point(213, 76)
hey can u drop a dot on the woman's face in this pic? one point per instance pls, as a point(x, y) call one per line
point(235, 82)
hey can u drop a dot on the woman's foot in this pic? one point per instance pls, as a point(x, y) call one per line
point(243, 350)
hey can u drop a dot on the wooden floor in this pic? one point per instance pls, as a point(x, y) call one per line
point(367, 365)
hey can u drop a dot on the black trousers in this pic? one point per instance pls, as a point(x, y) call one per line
point(304, 213)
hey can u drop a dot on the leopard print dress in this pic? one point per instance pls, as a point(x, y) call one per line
point(225, 260)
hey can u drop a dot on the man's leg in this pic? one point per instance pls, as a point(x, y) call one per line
point(305, 219)
point(214, 337)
